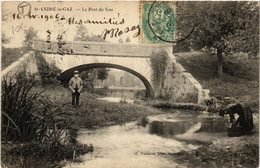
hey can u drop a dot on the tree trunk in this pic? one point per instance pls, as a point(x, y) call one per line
point(220, 67)
point(92, 86)
point(102, 83)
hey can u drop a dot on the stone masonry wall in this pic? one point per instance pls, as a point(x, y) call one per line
point(26, 62)
point(181, 86)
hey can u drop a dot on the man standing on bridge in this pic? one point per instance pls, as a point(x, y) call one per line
point(75, 85)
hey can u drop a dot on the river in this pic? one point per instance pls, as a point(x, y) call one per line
point(152, 146)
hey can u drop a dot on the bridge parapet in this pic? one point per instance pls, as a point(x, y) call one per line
point(99, 48)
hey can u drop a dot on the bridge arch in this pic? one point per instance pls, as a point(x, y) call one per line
point(67, 74)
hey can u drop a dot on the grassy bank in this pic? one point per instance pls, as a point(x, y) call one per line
point(240, 151)
point(39, 155)
point(240, 78)
point(93, 112)
point(10, 55)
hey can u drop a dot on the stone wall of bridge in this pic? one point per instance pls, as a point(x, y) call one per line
point(26, 63)
point(180, 86)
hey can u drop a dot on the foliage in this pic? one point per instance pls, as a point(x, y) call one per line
point(30, 33)
point(240, 152)
point(140, 94)
point(10, 55)
point(5, 14)
point(26, 115)
point(88, 77)
point(102, 74)
point(158, 64)
point(40, 155)
point(93, 112)
point(20, 120)
point(48, 72)
point(221, 27)
point(4, 38)
point(82, 35)
point(101, 91)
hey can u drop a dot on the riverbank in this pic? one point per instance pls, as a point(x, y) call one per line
point(93, 113)
point(225, 152)
point(240, 151)
point(62, 145)
point(39, 155)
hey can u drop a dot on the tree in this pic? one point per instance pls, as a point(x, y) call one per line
point(82, 35)
point(220, 27)
point(30, 33)
point(4, 38)
point(102, 74)
point(89, 77)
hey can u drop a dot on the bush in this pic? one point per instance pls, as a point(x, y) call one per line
point(140, 94)
point(27, 115)
point(48, 72)
point(158, 64)
point(21, 120)
point(101, 91)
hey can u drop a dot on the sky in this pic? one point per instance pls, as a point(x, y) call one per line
point(125, 12)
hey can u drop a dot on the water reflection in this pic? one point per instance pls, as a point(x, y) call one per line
point(130, 145)
point(169, 128)
point(213, 125)
point(202, 124)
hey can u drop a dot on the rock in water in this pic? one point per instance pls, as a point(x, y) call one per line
point(142, 121)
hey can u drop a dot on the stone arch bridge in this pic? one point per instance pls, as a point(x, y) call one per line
point(177, 85)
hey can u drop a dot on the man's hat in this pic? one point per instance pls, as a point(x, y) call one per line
point(76, 72)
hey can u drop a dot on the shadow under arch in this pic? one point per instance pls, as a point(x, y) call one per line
point(65, 76)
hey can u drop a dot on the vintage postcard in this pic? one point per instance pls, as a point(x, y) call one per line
point(129, 84)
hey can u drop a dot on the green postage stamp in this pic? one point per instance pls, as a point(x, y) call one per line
point(158, 22)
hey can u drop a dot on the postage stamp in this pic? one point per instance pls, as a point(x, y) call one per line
point(158, 22)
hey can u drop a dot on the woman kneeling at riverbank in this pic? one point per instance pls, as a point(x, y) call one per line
point(245, 118)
